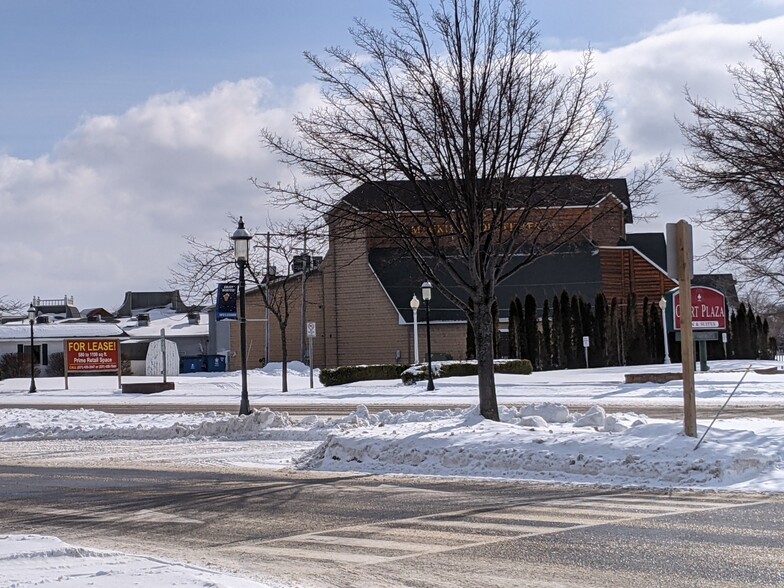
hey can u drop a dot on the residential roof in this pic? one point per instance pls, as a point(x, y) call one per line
point(574, 269)
point(176, 324)
point(540, 191)
point(59, 330)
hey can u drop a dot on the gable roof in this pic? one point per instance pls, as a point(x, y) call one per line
point(539, 192)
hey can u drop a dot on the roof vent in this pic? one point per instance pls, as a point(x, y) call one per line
point(143, 319)
point(193, 318)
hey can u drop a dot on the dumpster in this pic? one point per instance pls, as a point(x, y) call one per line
point(189, 365)
point(216, 363)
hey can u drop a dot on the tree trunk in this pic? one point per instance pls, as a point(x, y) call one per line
point(483, 332)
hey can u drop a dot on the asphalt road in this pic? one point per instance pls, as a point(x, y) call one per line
point(311, 529)
point(770, 411)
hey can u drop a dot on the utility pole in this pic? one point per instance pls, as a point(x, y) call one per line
point(303, 317)
point(266, 305)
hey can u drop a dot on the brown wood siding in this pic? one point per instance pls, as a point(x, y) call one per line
point(625, 271)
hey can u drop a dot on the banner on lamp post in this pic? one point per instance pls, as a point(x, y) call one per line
point(226, 307)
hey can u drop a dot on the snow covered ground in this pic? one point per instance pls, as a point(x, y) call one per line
point(538, 438)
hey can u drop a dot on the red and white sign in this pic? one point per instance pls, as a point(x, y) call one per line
point(92, 355)
point(708, 309)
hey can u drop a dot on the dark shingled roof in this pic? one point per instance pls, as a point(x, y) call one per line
point(575, 270)
point(553, 191)
point(651, 245)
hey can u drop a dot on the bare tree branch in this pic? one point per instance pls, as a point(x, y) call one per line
point(736, 160)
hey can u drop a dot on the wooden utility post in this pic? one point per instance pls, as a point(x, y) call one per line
point(685, 257)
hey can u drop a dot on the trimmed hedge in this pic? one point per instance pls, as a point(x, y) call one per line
point(514, 366)
point(360, 373)
point(453, 369)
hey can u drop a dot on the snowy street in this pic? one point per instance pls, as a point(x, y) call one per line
point(372, 498)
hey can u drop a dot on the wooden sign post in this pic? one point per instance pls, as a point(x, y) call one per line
point(685, 257)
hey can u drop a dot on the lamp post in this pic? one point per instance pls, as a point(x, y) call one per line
point(426, 295)
point(31, 312)
point(414, 308)
point(663, 306)
point(241, 238)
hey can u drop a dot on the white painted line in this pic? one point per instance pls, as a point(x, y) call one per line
point(361, 542)
point(335, 556)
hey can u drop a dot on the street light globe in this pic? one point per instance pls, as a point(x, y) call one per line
point(241, 238)
point(31, 312)
point(663, 303)
point(426, 291)
point(414, 303)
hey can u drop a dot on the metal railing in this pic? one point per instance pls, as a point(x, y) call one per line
point(64, 301)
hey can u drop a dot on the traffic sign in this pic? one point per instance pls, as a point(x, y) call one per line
point(311, 330)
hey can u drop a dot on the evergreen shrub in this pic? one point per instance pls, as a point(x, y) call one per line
point(452, 369)
point(360, 373)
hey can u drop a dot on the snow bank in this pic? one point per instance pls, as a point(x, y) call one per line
point(34, 560)
point(542, 441)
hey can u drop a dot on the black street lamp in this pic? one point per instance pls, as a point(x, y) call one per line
point(241, 238)
point(427, 292)
point(31, 312)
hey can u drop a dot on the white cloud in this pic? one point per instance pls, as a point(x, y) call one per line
point(105, 212)
point(648, 79)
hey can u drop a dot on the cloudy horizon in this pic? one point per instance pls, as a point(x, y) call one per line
point(105, 208)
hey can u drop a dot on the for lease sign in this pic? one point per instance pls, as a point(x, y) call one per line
point(92, 355)
point(707, 309)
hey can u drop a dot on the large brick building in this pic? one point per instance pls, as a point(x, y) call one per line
point(359, 295)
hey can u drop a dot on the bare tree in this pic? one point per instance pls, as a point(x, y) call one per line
point(203, 265)
point(8, 306)
point(460, 122)
point(736, 159)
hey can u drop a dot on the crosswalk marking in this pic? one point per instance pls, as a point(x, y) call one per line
point(359, 542)
point(413, 537)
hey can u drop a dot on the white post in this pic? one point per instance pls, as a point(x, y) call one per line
point(414, 307)
point(416, 339)
point(663, 306)
point(163, 352)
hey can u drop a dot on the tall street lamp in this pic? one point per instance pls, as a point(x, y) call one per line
point(241, 238)
point(663, 306)
point(31, 312)
point(426, 295)
point(414, 308)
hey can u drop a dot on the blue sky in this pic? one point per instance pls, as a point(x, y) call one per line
point(103, 103)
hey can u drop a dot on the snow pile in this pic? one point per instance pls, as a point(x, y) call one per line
point(27, 424)
point(622, 449)
point(541, 441)
point(34, 560)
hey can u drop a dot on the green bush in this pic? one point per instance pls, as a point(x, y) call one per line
point(360, 373)
point(514, 366)
point(454, 369)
